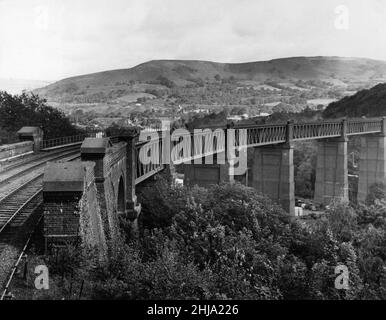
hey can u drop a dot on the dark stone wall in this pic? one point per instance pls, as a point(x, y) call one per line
point(114, 164)
point(10, 150)
point(91, 229)
point(75, 216)
point(90, 213)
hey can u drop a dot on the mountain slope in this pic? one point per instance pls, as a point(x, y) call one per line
point(333, 69)
point(369, 103)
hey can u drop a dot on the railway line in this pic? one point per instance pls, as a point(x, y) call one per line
point(19, 216)
point(18, 169)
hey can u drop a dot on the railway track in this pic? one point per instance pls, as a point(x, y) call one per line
point(19, 218)
point(29, 158)
point(18, 170)
point(13, 204)
point(34, 158)
point(20, 257)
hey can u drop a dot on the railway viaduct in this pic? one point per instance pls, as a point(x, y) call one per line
point(83, 199)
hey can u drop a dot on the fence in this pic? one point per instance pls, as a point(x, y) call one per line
point(62, 141)
point(200, 144)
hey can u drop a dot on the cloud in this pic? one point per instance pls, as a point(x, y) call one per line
point(52, 39)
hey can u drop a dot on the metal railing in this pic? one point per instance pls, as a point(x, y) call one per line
point(265, 134)
point(195, 145)
point(279, 133)
point(148, 159)
point(199, 144)
point(317, 130)
point(364, 126)
point(62, 141)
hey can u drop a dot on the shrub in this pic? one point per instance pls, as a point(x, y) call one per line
point(17, 111)
point(229, 242)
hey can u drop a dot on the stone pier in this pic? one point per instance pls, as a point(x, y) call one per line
point(204, 175)
point(273, 174)
point(331, 171)
point(372, 165)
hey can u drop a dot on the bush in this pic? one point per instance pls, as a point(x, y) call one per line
point(377, 192)
point(17, 111)
point(166, 82)
point(229, 242)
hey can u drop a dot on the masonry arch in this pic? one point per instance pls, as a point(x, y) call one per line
point(121, 196)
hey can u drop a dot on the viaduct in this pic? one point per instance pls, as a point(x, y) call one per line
point(83, 199)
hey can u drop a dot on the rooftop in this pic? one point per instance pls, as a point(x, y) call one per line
point(95, 145)
point(65, 176)
point(29, 130)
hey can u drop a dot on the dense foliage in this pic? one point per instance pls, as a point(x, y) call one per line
point(229, 242)
point(369, 102)
point(116, 130)
point(26, 109)
point(305, 154)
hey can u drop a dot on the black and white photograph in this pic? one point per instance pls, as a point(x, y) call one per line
point(171, 151)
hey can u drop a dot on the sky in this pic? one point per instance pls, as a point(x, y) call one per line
point(53, 39)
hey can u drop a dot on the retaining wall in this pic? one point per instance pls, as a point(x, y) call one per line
point(11, 150)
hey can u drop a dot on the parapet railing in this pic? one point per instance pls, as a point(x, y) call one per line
point(148, 159)
point(194, 145)
point(317, 130)
point(278, 133)
point(188, 146)
point(265, 134)
point(365, 126)
point(61, 141)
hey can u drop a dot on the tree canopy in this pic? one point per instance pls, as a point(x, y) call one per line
point(230, 242)
point(369, 103)
point(28, 109)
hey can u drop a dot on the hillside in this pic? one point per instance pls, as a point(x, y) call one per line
point(333, 70)
point(369, 103)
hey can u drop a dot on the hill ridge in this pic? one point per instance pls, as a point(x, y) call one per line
point(181, 72)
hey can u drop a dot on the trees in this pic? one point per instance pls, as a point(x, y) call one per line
point(304, 168)
point(249, 242)
point(26, 109)
point(166, 82)
point(368, 102)
point(116, 130)
point(229, 242)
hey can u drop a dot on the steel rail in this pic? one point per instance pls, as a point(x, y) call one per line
point(36, 157)
point(10, 219)
point(25, 183)
point(15, 266)
point(41, 162)
point(25, 247)
point(20, 187)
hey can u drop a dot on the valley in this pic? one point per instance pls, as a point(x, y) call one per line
point(184, 89)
